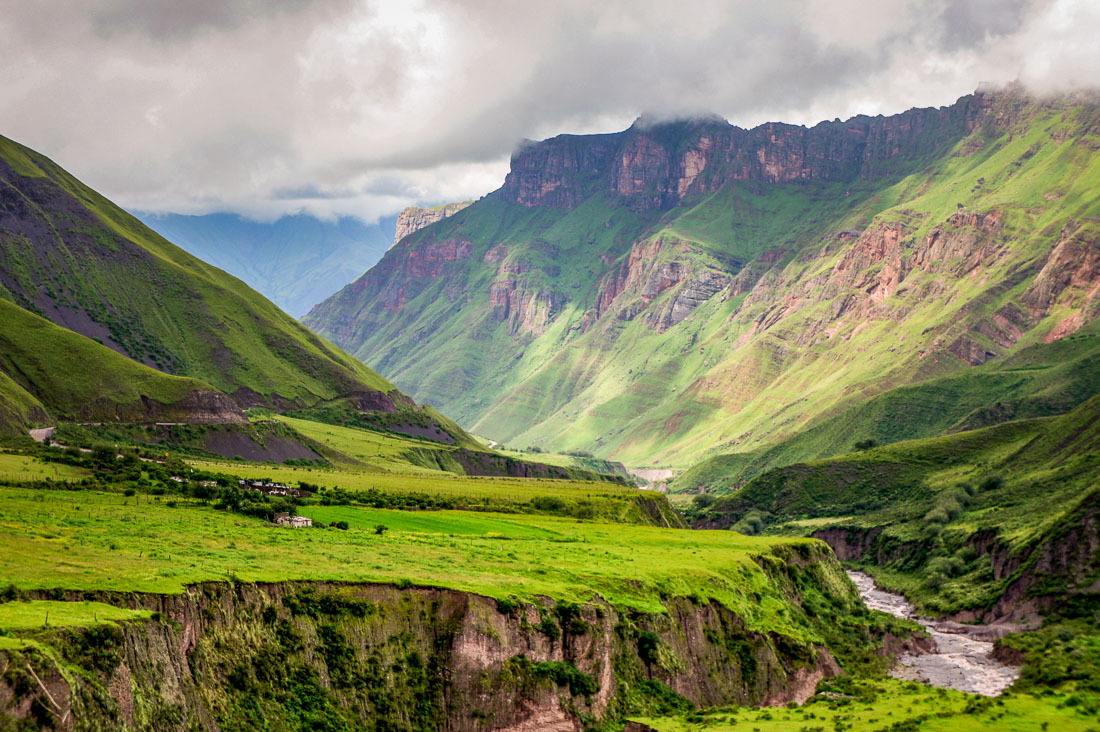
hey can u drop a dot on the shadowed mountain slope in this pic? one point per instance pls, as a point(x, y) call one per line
point(72, 256)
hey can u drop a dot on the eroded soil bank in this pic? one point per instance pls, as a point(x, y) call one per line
point(963, 658)
point(327, 655)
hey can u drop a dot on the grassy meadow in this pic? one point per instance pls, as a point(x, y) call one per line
point(87, 540)
point(884, 705)
point(15, 468)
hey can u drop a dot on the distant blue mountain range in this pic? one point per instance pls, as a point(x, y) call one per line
point(296, 262)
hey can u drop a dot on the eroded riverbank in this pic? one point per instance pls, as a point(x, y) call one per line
point(963, 658)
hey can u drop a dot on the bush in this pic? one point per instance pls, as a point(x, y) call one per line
point(864, 444)
point(992, 483)
point(937, 515)
point(566, 674)
point(935, 581)
point(342, 525)
point(703, 500)
point(550, 504)
point(947, 566)
point(751, 524)
point(549, 628)
point(381, 529)
point(967, 554)
point(648, 645)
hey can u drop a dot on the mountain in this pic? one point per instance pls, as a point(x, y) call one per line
point(296, 261)
point(684, 289)
point(1040, 380)
point(73, 257)
point(48, 373)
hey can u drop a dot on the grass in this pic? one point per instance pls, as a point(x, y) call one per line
point(386, 451)
point(38, 614)
point(443, 523)
point(25, 468)
point(155, 302)
point(1041, 380)
point(605, 500)
point(76, 378)
point(85, 540)
point(886, 704)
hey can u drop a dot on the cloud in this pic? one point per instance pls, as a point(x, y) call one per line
point(363, 106)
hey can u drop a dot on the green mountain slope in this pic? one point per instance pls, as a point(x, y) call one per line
point(995, 522)
point(49, 373)
point(681, 290)
point(1040, 380)
point(72, 256)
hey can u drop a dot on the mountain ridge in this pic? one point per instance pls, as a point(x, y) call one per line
point(642, 313)
point(295, 261)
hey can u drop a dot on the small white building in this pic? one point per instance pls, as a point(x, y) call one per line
point(293, 522)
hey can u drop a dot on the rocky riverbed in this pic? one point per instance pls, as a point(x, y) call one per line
point(963, 658)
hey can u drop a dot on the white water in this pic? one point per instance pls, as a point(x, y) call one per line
point(960, 661)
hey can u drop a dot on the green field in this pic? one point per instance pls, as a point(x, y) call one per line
point(589, 500)
point(24, 468)
point(384, 451)
point(45, 613)
point(84, 540)
point(888, 705)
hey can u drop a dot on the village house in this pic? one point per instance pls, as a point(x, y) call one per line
point(293, 522)
point(271, 489)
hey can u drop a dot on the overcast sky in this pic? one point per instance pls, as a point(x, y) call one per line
point(361, 107)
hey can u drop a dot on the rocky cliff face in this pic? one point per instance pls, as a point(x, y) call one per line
point(655, 165)
point(415, 218)
point(316, 654)
point(679, 287)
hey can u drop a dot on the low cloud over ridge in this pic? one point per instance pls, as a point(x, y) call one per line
point(357, 107)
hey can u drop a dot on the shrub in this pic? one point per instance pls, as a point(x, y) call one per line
point(381, 529)
point(549, 628)
point(342, 525)
point(992, 483)
point(937, 515)
point(703, 500)
point(648, 645)
point(935, 581)
point(967, 554)
point(865, 444)
point(550, 504)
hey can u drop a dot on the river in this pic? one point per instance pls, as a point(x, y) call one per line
point(962, 660)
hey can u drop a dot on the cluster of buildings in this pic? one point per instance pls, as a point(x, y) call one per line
point(271, 489)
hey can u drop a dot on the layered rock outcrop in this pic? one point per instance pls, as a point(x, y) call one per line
point(415, 218)
point(656, 267)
